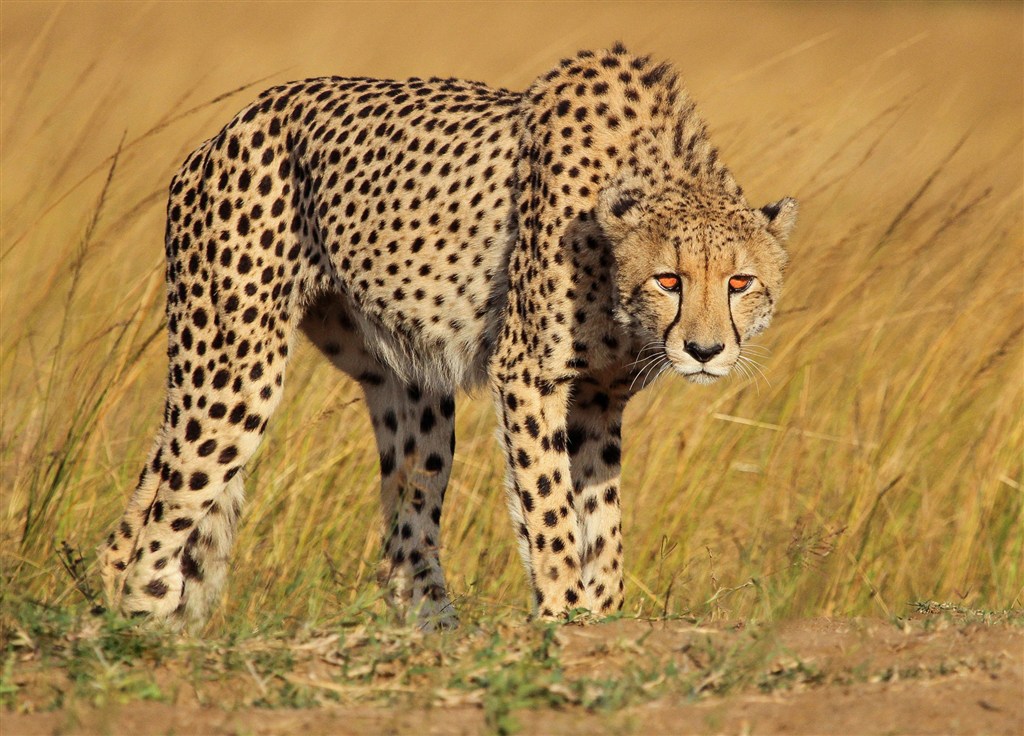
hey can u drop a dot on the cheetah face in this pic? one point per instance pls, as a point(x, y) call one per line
point(695, 277)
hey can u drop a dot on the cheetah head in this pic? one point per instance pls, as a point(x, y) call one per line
point(697, 275)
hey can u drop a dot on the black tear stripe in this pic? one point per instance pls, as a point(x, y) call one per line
point(739, 341)
point(675, 321)
point(679, 303)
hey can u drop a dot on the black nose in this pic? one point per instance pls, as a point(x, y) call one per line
point(703, 353)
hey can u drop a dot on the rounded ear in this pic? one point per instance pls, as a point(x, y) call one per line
point(781, 217)
point(620, 207)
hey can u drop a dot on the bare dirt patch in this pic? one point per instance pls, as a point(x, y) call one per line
point(813, 676)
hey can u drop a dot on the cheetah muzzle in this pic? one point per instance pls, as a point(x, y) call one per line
point(565, 245)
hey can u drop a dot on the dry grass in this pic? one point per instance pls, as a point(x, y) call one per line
point(882, 464)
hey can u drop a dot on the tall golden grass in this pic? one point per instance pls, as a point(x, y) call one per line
point(877, 462)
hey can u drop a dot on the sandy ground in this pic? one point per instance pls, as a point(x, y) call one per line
point(871, 678)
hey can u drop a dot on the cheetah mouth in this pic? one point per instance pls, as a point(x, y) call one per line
point(701, 376)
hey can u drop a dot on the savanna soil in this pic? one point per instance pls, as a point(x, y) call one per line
point(844, 676)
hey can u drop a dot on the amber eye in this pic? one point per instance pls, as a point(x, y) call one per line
point(668, 281)
point(739, 283)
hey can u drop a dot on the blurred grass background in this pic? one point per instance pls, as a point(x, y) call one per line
point(881, 465)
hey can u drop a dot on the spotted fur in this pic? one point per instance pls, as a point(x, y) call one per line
point(430, 236)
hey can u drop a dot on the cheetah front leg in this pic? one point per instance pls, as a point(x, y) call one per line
point(539, 492)
point(595, 441)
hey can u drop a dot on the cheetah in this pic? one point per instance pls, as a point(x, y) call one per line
point(562, 245)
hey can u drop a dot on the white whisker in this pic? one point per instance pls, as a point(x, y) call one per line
point(743, 368)
point(647, 362)
point(647, 370)
point(653, 345)
point(662, 370)
point(748, 375)
point(756, 366)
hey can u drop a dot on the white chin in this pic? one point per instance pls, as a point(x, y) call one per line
point(701, 377)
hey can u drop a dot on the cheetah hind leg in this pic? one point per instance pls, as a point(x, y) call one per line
point(416, 440)
point(115, 554)
point(168, 558)
point(595, 442)
point(415, 436)
point(216, 535)
point(217, 530)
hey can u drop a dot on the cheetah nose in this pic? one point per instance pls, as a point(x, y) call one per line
point(703, 353)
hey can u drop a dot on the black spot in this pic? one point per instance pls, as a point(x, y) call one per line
point(189, 567)
point(192, 430)
point(527, 500)
point(156, 588)
point(575, 438)
point(237, 413)
point(532, 426)
point(434, 463)
point(371, 379)
point(387, 463)
point(427, 420)
point(623, 204)
point(611, 454)
point(655, 75)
